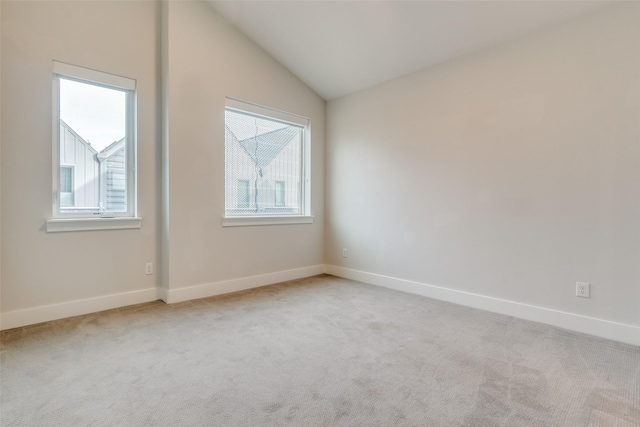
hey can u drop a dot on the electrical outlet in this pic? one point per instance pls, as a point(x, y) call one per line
point(582, 289)
point(345, 253)
point(148, 268)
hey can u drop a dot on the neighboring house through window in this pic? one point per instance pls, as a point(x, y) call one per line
point(243, 193)
point(66, 186)
point(280, 191)
point(266, 162)
point(94, 143)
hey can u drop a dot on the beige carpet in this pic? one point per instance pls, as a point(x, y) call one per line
point(315, 352)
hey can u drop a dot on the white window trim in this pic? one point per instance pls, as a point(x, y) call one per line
point(64, 221)
point(240, 221)
point(89, 224)
point(305, 217)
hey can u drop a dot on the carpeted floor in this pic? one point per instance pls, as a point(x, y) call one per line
point(315, 352)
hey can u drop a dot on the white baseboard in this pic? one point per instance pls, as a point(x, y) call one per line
point(45, 313)
point(629, 334)
point(602, 328)
point(30, 316)
point(233, 285)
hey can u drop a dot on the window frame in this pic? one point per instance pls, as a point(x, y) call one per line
point(95, 219)
point(305, 216)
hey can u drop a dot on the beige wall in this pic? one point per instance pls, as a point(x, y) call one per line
point(209, 60)
point(41, 269)
point(511, 173)
point(184, 49)
point(0, 161)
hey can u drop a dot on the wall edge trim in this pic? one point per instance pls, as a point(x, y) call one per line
point(628, 334)
point(171, 296)
point(615, 331)
point(45, 313)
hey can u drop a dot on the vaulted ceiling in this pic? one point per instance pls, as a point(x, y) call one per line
point(340, 47)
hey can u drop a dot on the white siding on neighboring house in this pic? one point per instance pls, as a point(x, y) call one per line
point(285, 168)
point(78, 154)
point(263, 161)
point(99, 179)
point(113, 165)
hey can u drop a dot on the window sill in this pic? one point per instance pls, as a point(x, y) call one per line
point(89, 224)
point(244, 221)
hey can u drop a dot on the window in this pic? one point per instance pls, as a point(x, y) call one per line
point(94, 147)
point(280, 193)
point(266, 165)
point(243, 193)
point(66, 186)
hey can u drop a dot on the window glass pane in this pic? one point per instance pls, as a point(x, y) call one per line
point(243, 194)
point(280, 189)
point(265, 155)
point(92, 141)
point(66, 186)
point(66, 182)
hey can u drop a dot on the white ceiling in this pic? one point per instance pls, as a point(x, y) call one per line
point(339, 47)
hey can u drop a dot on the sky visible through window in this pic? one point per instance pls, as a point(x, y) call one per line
point(96, 113)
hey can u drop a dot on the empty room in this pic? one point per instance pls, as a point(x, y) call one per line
point(319, 213)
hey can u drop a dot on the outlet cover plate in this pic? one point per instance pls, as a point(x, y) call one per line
point(582, 289)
